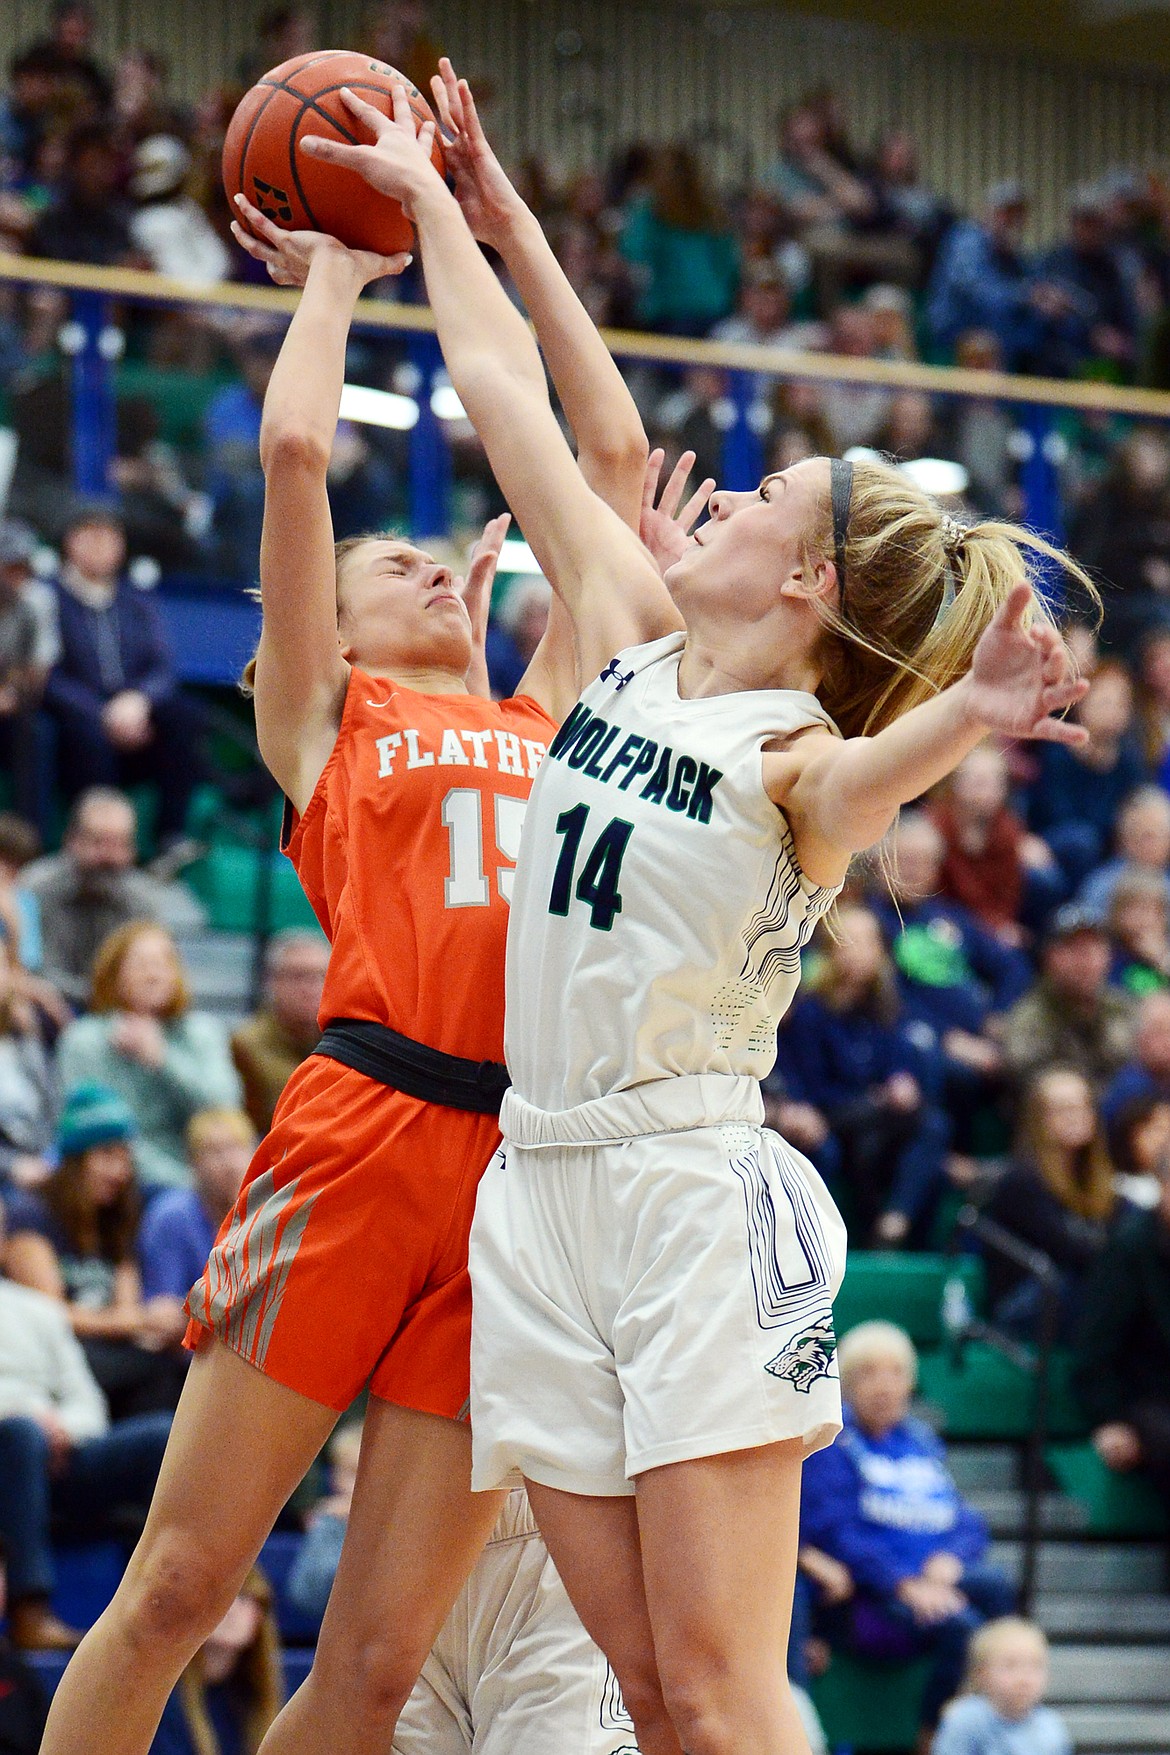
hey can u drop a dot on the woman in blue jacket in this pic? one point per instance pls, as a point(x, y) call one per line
point(882, 1503)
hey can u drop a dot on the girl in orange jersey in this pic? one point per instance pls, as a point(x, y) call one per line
point(344, 1262)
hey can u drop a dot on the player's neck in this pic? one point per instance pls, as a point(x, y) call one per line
point(423, 680)
point(709, 667)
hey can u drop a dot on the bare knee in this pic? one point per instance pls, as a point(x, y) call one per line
point(174, 1594)
point(717, 1709)
point(372, 1674)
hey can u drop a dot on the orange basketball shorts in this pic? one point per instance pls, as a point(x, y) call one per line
point(343, 1262)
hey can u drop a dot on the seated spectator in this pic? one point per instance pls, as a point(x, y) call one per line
point(953, 975)
point(1122, 1366)
point(180, 1225)
point(905, 204)
point(144, 1042)
point(1005, 876)
point(1079, 789)
point(1147, 1072)
point(169, 226)
point(982, 279)
point(231, 433)
point(22, 668)
point(854, 413)
point(1152, 696)
point(979, 433)
point(28, 1087)
point(269, 1046)
point(75, 1239)
point(233, 1688)
point(88, 221)
point(119, 712)
point(1139, 927)
point(1139, 1142)
point(678, 244)
point(20, 914)
point(82, 83)
point(89, 889)
point(1098, 324)
point(24, 1705)
point(1071, 1015)
point(1143, 845)
point(1000, 1707)
point(311, 1578)
point(845, 1055)
point(882, 1502)
point(1057, 1195)
point(61, 1461)
point(1121, 533)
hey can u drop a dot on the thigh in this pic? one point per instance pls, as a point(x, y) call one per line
point(239, 1444)
point(596, 1549)
point(718, 1539)
point(415, 1531)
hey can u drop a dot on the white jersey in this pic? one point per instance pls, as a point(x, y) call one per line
point(659, 912)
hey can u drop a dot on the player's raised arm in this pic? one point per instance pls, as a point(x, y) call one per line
point(582, 546)
point(300, 673)
point(611, 441)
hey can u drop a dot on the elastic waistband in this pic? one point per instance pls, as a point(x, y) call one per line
point(515, 1519)
point(412, 1068)
point(661, 1106)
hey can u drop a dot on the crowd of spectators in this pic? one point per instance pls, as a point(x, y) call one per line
point(986, 1018)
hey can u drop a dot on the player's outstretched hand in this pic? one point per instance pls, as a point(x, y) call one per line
point(476, 592)
point(482, 188)
point(663, 527)
point(288, 254)
point(1021, 676)
point(399, 161)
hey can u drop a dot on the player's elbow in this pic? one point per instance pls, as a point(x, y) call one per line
point(292, 447)
point(619, 454)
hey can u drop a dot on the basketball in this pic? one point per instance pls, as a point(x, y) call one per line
point(262, 159)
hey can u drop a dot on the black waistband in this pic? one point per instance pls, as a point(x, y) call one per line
point(413, 1068)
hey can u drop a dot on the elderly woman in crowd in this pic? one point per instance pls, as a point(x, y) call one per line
point(881, 1503)
point(143, 1041)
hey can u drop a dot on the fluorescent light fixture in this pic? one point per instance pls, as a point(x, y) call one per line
point(517, 557)
point(378, 408)
point(938, 476)
point(445, 403)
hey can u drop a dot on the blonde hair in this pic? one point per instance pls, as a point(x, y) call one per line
point(259, 1674)
point(871, 1341)
point(206, 1121)
point(341, 552)
point(892, 644)
point(881, 1001)
point(107, 969)
point(992, 1637)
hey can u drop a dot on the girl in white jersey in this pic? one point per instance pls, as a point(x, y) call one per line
point(653, 1273)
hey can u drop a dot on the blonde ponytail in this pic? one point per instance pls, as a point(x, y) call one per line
point(920, 590)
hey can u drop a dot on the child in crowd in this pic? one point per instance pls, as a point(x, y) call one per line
point(1001, 1712)
point(1139, 929)
point(180, 1224)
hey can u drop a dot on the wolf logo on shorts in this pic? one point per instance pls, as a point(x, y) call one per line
point(807, 1357)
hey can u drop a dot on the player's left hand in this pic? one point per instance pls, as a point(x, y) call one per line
point(663, 527)
point(288, 255)
point(399, 161)
point(476, 592)
point(1020, 677)
point(482, 188)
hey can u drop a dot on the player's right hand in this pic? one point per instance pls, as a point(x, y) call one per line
point(663, 527)
point(482, 189)
point(399, 161)
point(287, 255)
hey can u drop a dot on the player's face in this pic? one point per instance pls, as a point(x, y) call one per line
point(398, 608)
point(749, 556)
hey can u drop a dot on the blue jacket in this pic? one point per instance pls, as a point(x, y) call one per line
point(951, 971)
point(830, 1058)
point(104, 651)
point(975, 285)
point(883, 1506)
point(1067, 790)
point(1132, 1082)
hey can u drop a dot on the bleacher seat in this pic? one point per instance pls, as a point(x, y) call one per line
point(276, 1562)
point(979, 1393)
point(226, 880)
point(868, 1705)
point(906, 1289)
point(1114, 1504)
point(88, 1574)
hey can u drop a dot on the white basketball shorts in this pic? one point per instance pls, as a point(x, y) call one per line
point(649, 1297)
point(513, 1671)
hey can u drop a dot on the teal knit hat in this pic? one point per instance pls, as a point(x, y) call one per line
point(93, 1115)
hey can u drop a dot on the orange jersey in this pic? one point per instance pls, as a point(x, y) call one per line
point(407, 851)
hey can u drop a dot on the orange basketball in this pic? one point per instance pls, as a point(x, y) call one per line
point(262, 160)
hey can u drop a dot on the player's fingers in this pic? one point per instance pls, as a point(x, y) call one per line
point(672, 493)
point(1014, 607)
point(260, 223)
point(696, 504)
point(443, 106)
point(1065, 731)
point(495, 530)
point(426, 138)
point(400, 98)
point(1064, 694)
point(335, 152)
point(471, 122)
point(262, 252)
point(365, 113)
point(452, 95)
point(650, 480)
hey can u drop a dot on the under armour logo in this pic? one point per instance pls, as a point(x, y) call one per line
point(280, 208)
point(620, 677)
